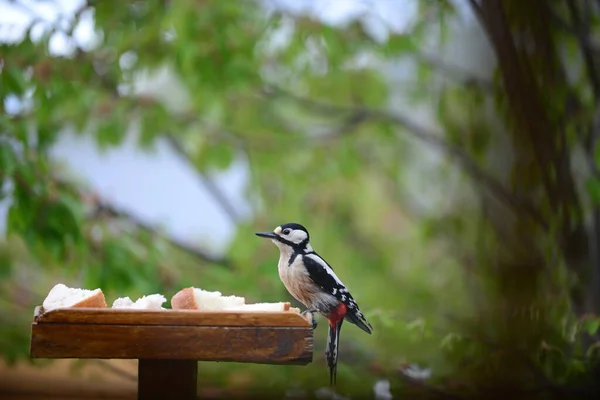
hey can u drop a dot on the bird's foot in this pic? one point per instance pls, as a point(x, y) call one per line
point(312, 316)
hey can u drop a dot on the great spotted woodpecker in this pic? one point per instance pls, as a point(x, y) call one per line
point(311, 281)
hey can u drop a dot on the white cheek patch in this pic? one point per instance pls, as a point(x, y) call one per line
point(297, 236)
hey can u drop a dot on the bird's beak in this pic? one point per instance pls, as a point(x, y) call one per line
point(269, 235)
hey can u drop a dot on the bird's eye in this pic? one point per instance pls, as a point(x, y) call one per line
point(286, 231)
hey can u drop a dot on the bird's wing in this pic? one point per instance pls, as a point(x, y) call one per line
point(321, 273)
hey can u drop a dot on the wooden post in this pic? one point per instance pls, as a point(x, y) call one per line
point(166, 379)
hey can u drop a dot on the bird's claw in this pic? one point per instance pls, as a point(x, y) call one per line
point(312, 317)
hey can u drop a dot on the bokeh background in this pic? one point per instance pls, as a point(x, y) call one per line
point(442, 154)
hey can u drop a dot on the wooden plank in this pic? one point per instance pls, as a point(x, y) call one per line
point(167, 379)
point(283, 345)
point(109, 316)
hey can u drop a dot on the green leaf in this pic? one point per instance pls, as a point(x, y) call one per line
point(399, 45)
point(46, 134)
point(591, 325)
point(593, 350)
point(416, 325)
point(6, 262)
point(386, 319)
point(21, 211)
point(349, 161)
point(449, 341)
point(597, 154)
point(13, 81)
point(154, 120)
point(111, 132)
point(592, 187)
point(218, 155)
point(8, 161)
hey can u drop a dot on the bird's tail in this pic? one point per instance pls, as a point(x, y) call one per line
point(331, 349)
point(357, 318)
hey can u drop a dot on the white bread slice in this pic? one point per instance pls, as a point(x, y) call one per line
point(192, 298)
point(197, 299)
point(61, 296)
point(281, 306)
point(149, 302)
point(122, 302)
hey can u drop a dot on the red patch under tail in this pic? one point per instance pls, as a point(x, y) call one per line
point(335, 318)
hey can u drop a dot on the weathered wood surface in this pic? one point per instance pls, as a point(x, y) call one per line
point(168, 343)
point(109, 316)
point(278, 345)
point(167, 379)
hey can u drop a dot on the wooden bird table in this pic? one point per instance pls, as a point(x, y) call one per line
point(169, 343)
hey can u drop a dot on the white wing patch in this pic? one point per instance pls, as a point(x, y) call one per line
point(328, 269)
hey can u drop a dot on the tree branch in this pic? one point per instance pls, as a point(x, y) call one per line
point(206, 181)
point(103, 208)
point(476, 8)
point(457, 73)
point(421, 133)
point(583, 37)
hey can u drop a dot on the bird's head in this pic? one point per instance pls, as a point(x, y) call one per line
point(290, 236)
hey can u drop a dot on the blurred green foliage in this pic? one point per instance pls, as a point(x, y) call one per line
point(311, 120)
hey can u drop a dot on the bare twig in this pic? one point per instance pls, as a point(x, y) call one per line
point(583, 37)
point(457, 73)
point(208, 183)
point(348, 125)
point(111, 210)
point(77, 14)
point(423, 134)
point(476, 8)
point(104, 208)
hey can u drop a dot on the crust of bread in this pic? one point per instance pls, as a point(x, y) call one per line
point(269, 307)
point(95, 301)
point(184, 300)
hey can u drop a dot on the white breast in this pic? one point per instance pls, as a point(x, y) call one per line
point(297, 281)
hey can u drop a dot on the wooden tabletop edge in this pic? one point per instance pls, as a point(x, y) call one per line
point(39, 310)
point(68, 315)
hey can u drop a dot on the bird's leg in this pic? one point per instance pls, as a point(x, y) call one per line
point(312, 316)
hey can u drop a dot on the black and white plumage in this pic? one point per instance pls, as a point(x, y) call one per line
point(312, 281)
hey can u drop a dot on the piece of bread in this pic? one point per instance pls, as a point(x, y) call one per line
point(122, 302)
point(281, 306)
point(197, 299)
point(61, 296)
point(149, 302)
point(192, 298)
